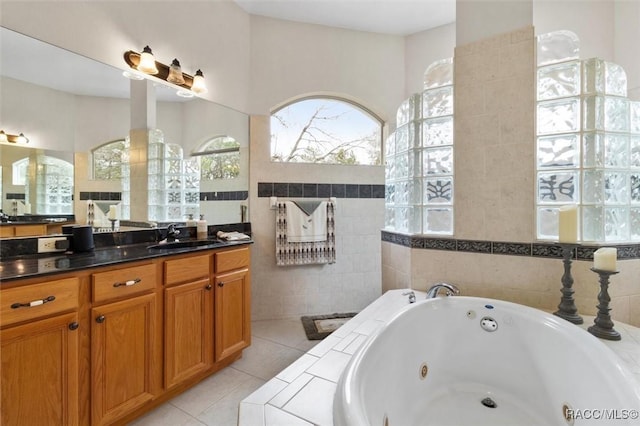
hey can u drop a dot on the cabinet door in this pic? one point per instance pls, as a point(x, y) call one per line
point(40, 372)
point(232, 306)
point(188, 330)
point(122, 357)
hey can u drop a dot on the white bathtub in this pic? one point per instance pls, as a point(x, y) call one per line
point(533, 368)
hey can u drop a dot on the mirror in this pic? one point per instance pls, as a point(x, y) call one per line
point(79, 104)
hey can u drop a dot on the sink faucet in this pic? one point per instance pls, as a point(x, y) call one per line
point(451, 290)
point(172, 232)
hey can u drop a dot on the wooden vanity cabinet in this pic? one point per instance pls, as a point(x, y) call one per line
point(103, 346)
point(125, 360)
point(39, 351)
point(232, 302)
point(188, 319)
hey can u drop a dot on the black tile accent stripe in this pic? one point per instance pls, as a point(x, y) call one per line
point(536, 249)
point(224, 196)
point(101, 196)
point(319, 190)
point(15, 196)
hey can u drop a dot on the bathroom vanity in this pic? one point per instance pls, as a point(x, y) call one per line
point(103, 337)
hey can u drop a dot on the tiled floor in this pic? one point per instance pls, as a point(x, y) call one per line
point(214, 402)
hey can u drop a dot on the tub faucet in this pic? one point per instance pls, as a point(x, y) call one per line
point(451, 290)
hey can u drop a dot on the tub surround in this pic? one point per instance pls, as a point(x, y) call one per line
point(302, 394)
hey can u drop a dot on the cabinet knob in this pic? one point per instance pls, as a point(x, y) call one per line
point(220, 284)
point(74, 326)
point(208, 287)
point(100, 319)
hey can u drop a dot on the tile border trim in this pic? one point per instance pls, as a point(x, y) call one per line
point(320, 190)
point(534, 249)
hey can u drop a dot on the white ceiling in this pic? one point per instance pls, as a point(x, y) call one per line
point(399, 17)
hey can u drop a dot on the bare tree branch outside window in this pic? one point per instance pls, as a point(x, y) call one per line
point(325, 131)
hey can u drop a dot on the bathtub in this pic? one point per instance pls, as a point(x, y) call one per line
point(475, 361)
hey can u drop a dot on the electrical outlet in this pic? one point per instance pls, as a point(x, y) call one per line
point(48, 244)
point(46, 265)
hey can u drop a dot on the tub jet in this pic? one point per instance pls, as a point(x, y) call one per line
point(489, 403)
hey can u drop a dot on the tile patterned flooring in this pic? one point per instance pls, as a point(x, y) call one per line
point(214, 401)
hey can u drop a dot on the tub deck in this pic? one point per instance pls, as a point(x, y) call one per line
point(302, 394)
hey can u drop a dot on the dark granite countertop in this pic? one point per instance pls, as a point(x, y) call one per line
point(29, 266)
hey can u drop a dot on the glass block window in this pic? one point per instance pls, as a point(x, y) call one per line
point(173, 182)
point(419, 158)
point(588, 143)
point(53, 185)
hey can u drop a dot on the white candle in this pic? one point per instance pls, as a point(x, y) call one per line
point(604, 259)
point(568, 224)
point(112, 213)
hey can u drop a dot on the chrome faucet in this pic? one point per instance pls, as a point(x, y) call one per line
point(172, 232)
point(451, 290)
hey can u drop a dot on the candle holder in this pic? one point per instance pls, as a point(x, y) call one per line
point(603, 326)
point(113, 224)
point(567, 308)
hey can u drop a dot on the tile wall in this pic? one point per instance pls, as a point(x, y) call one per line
point(495, 196)
point(354, 280)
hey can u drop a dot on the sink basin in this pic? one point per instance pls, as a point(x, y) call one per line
point(184, 244)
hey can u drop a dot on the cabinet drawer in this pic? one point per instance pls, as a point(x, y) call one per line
point(186, 269)
point(30, 230)
point(232, 259)
point(123, 282)
point(38, 300)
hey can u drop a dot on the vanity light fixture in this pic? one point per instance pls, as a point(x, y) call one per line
point(175, 73)
point(147, 62)
point(172, 74)
point(199, 85)
point(21, 138)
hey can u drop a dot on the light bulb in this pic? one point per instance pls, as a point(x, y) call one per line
point(199, 85)
point(22, 138)
point(175, 73)
point(147, 62)
point(3, 136)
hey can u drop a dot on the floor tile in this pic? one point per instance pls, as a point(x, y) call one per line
point(265, 359)
point(166, 415)
point(224, 412)
point(288, 332)
point(206, 393)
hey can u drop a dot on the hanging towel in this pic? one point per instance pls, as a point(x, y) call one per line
point(304, 227)
point(304, 253)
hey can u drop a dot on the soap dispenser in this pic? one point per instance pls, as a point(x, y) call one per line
point(202, 228)
point(191, 221)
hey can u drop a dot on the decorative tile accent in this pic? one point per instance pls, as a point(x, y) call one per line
point(320, 190)
point(548, 250)
point(474, 246)
point(536, 249)
point(512, 249)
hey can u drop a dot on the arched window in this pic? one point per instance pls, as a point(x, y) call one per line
point(325, 130)
point(107, 160)
point(219, 158)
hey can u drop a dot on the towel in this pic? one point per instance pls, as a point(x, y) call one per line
point(232, 236)
point(304, 253)
point(306, 228)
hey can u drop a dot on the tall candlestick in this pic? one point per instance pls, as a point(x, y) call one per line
point(568, 224)
point(567, 308)
point(602, 324)
point(112, 213)
point(604, 259)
